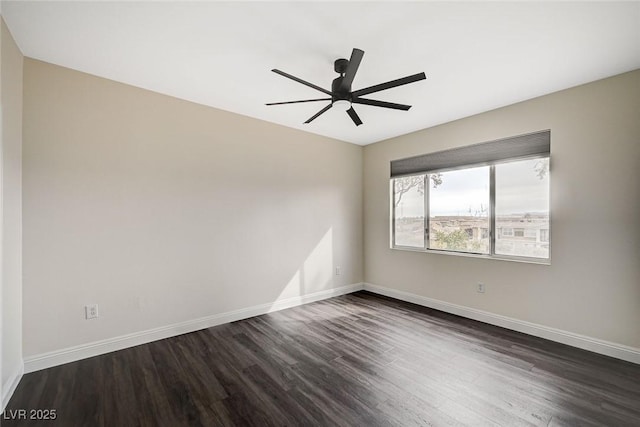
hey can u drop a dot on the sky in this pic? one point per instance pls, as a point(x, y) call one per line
point(466, 189)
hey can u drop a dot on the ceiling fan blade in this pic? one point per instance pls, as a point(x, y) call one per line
point(316, 115)
point(389, 85)
point(297, 102)
point(354, 116)
point(295, 79)
point(384, 104)
point(352, 68)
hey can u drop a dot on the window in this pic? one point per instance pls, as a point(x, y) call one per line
point(506, 232)
point(544, 235)
point(489, 199)
point(522, 202)
point(458, 210)
point(409, 211)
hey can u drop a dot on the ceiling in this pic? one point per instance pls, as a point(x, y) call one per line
point(477, 55)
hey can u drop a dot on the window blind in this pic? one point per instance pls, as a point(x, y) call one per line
point(538, 143)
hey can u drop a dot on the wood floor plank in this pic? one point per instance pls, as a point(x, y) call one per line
point(354, 360)
point(147, 382)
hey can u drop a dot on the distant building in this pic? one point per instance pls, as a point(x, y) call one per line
point(519, 235)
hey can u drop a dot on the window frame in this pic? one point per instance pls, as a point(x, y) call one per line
point(492, 215)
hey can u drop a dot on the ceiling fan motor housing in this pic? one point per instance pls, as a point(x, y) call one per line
point(340, 66)
point(337, 93)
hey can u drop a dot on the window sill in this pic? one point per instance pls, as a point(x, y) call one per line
point(472, 255)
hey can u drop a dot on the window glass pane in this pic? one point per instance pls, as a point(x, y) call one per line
point(459, 210)
point(522, 208)
point(409, 211)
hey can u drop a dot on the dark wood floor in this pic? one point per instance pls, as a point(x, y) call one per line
point(354, 360)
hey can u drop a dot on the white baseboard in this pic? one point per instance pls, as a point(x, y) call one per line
point(71, 354)
point(11, 385)
point(619, 351)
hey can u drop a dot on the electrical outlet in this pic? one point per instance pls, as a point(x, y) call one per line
point(91, 311)
point(480, 288)
point(338, 271)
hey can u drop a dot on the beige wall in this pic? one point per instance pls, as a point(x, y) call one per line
point(11, 217)
point(162, 211)
point(592, 286)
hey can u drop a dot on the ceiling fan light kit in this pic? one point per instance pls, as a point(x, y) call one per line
point(341, 104)
point(341, 95)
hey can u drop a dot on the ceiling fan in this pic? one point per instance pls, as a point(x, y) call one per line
point(341, 94)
